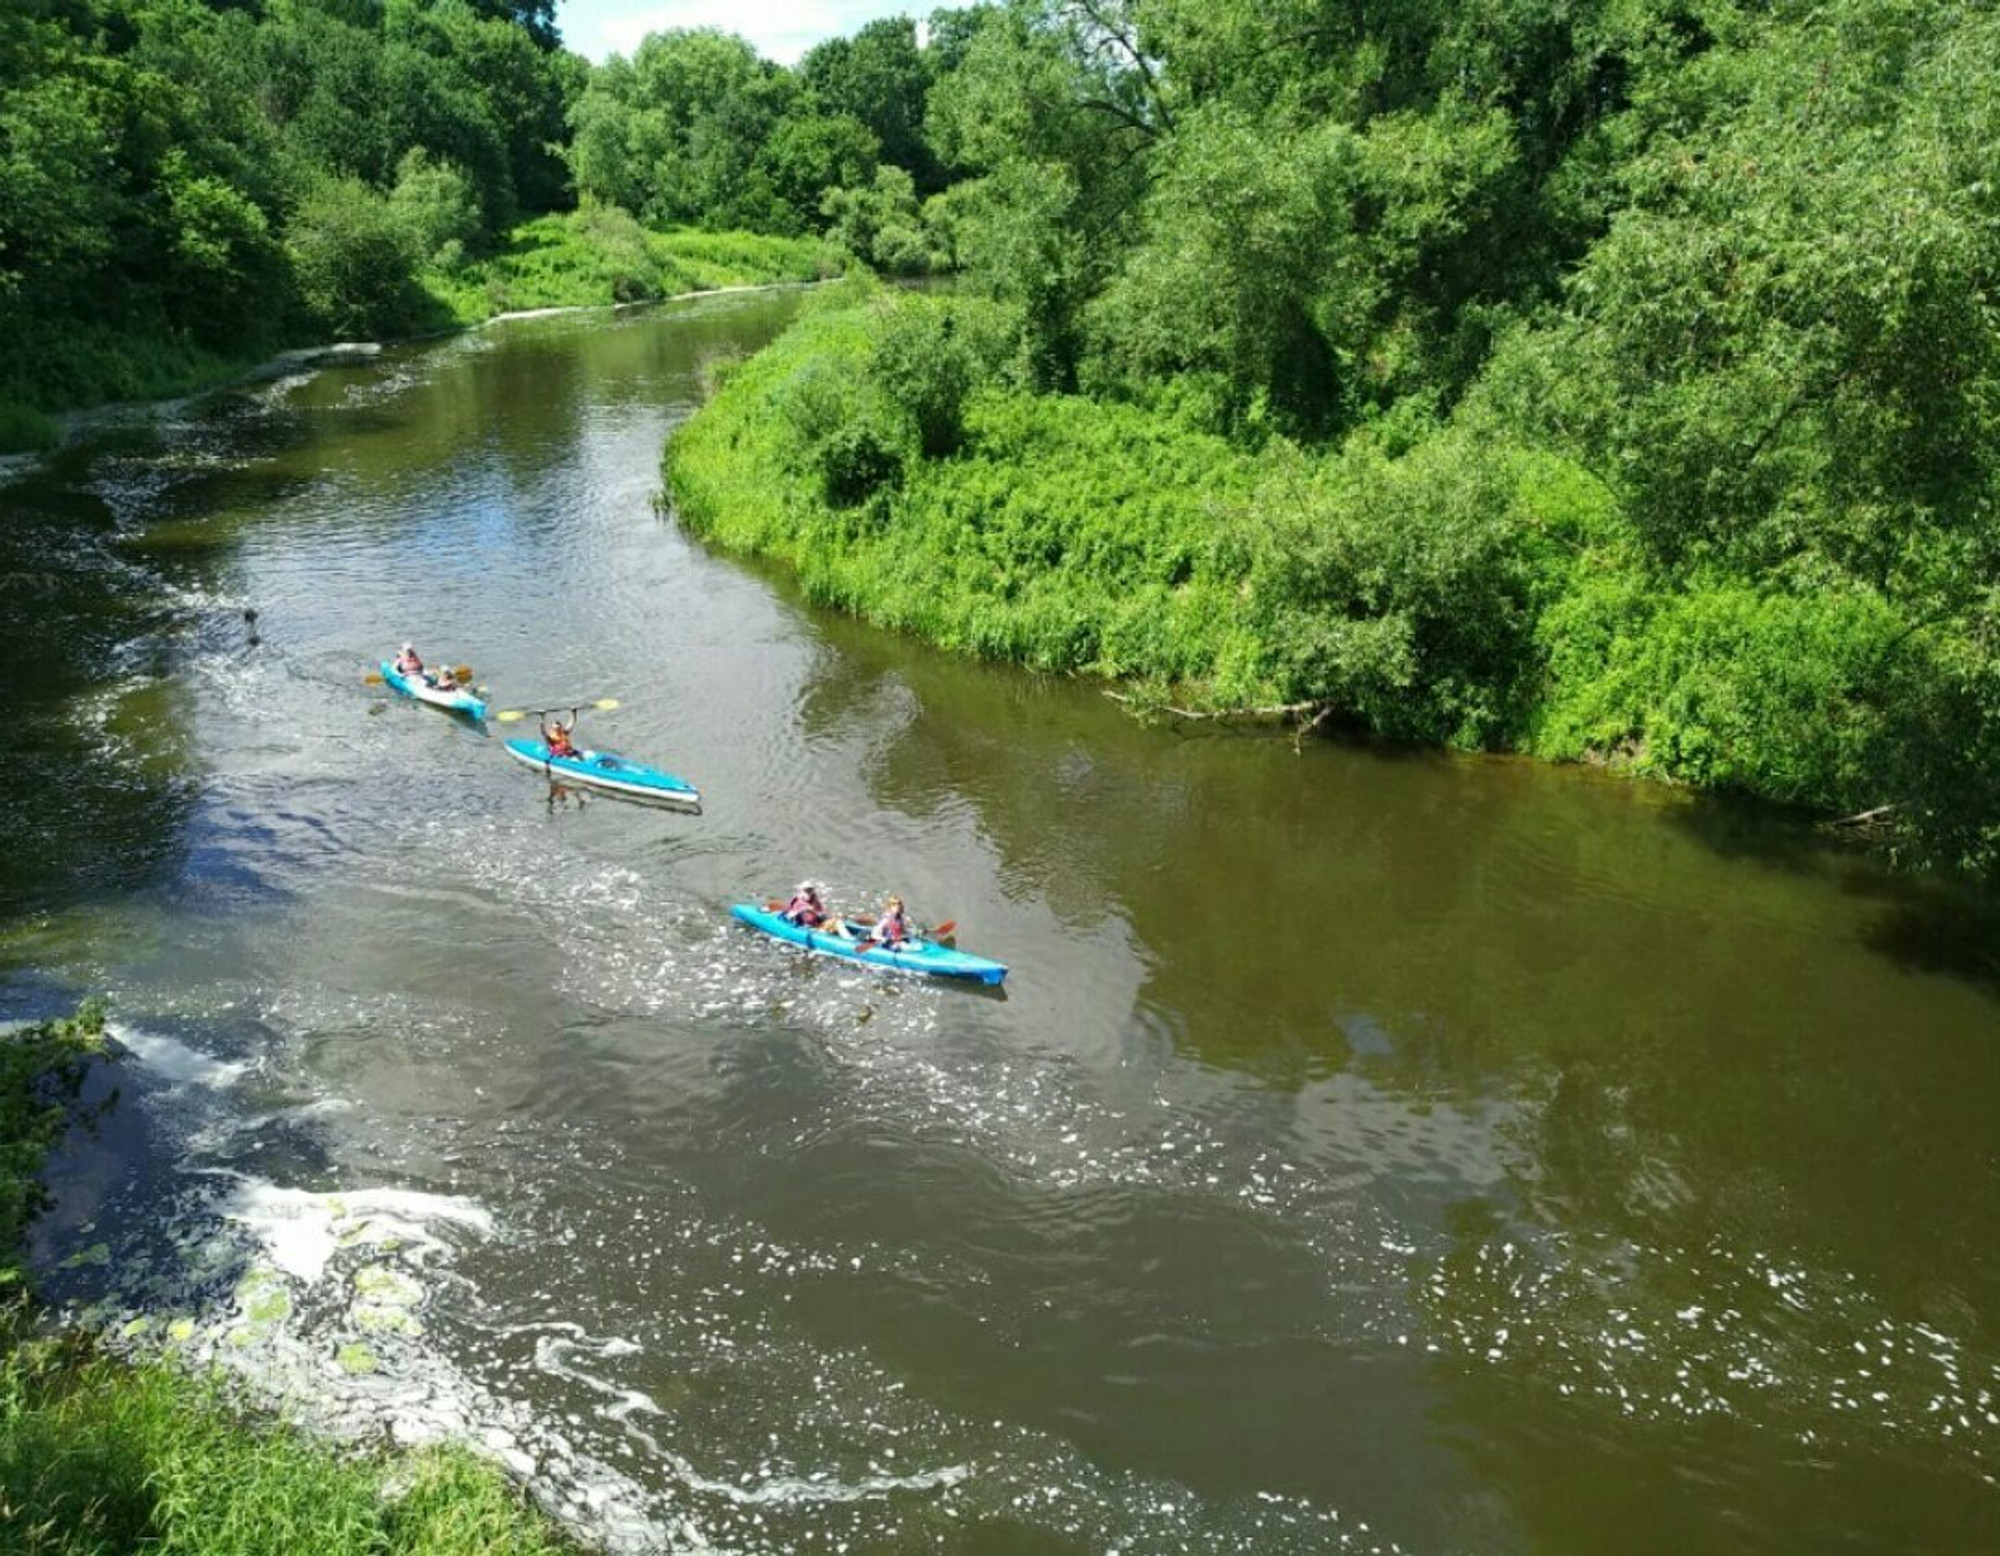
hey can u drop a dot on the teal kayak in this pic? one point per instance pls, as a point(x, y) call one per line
point(913, 956)
point(612, 774)
point(459, 701)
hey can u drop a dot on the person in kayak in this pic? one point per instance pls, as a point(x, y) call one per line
point(445, 679)
point(806, 909)
point(407, 662)
point(892, 929)
point(556, 737)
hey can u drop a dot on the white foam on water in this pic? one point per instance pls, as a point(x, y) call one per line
point(301, 1229)
point(174, 1061)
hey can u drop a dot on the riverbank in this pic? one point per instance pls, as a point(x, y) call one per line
point(1452, 585)
point(99, 1454)
point(593, 258)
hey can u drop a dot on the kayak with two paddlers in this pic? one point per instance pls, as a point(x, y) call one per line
point(851, 941)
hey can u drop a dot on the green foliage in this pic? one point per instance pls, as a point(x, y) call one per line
point(354, 256)
point(437, 206)
point(600, 255)
point(98, 1458)
point(929, 368)
point(881, 224)
point(1064, 534)
point(42, 1068)
point(675, 133)
point(1720, 684)
point(1402, 589)
point(185, 186)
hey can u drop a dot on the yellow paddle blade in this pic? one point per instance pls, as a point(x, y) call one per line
point(463, 672)
point(510, 715)
point(605, 704)
point(373, 678)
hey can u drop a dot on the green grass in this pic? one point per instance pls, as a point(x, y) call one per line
point(1061, 533)
point(600, 255)
point(99, 1457)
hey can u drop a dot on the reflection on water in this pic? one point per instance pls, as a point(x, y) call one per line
point(1376, 1149)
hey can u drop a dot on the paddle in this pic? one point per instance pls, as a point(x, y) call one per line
point(515, 715)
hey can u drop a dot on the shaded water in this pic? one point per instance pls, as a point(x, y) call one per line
point(1373, 1150)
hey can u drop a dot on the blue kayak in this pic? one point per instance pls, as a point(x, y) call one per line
point(913, 956)
point(458, 701)
point(612, 774)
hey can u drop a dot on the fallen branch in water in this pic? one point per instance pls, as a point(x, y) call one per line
point(1864, 818)
point(1320, 709)
point(1280, 710)
point(1305, 729)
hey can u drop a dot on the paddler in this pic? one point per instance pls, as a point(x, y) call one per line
point(556, 737)
point(806, 909)
point(892, 929)
point(446, 679)
point(407, 662)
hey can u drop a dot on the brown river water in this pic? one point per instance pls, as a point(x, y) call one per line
point(1372, 1149)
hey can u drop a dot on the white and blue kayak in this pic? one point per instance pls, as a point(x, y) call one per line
point(849, 943)
point(612, 774)
point(458, 700)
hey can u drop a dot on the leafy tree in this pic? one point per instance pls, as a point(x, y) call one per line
point(881, 78)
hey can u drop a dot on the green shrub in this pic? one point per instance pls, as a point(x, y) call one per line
point(856, 460)
point(1404, 589)
point(355, 257)
point(1722, 684)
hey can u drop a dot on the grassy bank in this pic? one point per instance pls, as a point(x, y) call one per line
point(99, 1456)
point(589, 258)
point(602, 255)
point(1058, 533)
point(1440, 581)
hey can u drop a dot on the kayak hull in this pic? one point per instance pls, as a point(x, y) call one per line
point(608, 774)
point(916, 956)
point(452, 702)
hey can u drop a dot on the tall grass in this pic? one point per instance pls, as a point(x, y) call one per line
point(98, 1458)
point(1062, 533)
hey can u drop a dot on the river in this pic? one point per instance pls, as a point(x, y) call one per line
point(1373, 1149)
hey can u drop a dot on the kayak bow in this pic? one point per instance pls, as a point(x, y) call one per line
point(914, 956)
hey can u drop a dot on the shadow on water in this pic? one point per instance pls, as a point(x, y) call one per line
point(1922, 923)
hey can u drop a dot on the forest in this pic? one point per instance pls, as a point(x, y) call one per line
point(1608, 380)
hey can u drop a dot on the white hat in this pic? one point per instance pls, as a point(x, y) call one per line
point(409, 648)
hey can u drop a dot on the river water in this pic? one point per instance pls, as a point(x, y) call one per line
point(1373, 1149)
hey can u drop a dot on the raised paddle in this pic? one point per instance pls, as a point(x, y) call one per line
point(514, 715)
